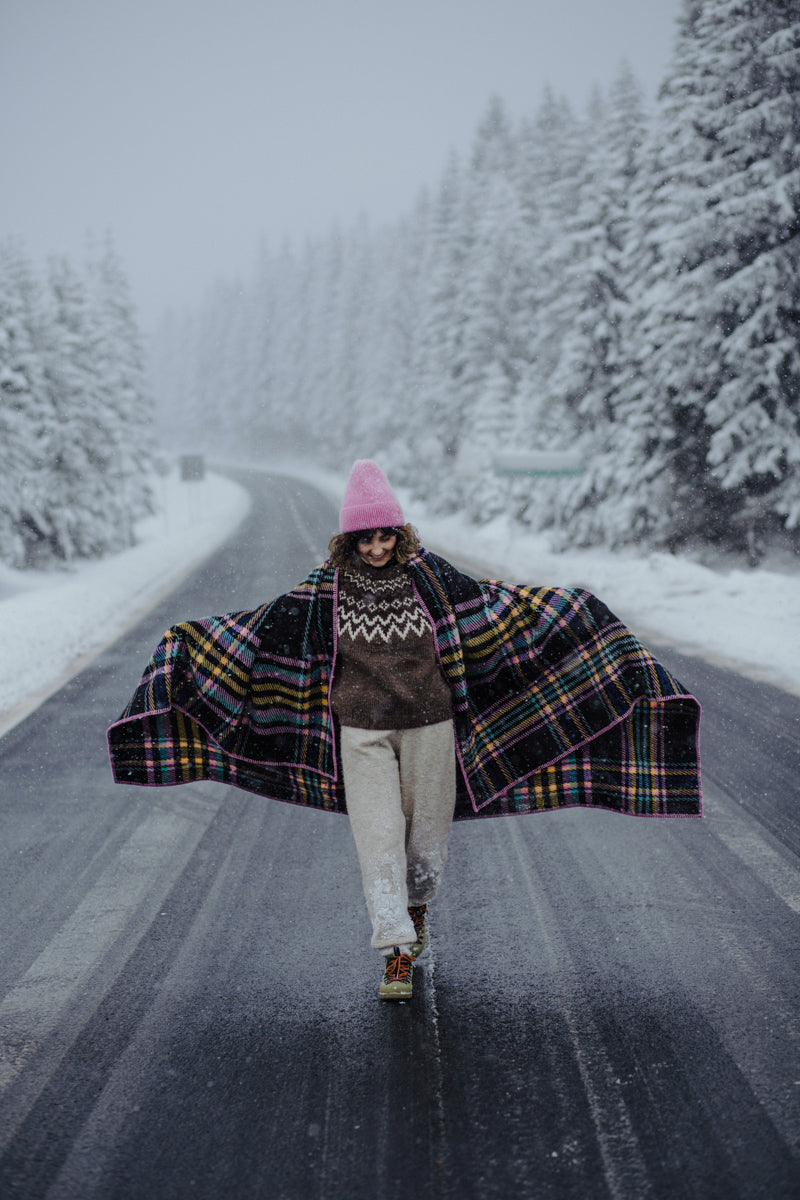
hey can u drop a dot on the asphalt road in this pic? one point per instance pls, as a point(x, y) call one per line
point(609, 1007)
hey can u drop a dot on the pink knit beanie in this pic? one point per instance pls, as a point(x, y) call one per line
point(369, 502)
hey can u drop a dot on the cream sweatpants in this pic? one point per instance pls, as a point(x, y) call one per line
point(400, 788)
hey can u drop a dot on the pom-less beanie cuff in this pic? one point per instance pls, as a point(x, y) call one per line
point(369, 502)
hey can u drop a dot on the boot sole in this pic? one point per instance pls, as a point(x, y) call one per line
point(395, 995)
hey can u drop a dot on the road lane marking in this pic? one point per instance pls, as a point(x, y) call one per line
point(42, 1013)
point(750, 842)
point(306, 535)
point(428, 972)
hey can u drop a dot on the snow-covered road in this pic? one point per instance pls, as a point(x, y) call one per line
point(605, 1008)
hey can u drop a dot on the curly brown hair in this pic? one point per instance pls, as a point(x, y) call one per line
point(344, 545)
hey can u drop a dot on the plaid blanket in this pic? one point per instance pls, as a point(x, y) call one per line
point(555, 702)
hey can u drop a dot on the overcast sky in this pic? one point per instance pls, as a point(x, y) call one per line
point(191, 128)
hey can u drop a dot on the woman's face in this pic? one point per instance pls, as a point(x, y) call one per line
point(376, 547)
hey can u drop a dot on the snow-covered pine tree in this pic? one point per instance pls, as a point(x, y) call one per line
point(493, 348)
point(636, 489)
point(127, 410)
point(323, 291)
point(399, 311)
point(743, 248)
point(238, 331)
point(267, 424)
point(80, 453)
point(301, 348)
point(595, 240)
point(489, 366)
point(552, 150)
point(435, 366)
point(709, 424)
point(210, 380)
point(26, 416)
point(286, 367)
point(379, 325)
point(550, 165)
point(345, 387)
point(593, 361)
point(172, 358)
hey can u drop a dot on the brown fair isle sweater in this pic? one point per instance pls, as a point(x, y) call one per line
point(387, 673)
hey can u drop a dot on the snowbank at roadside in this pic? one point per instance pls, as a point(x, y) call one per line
point(54, 622)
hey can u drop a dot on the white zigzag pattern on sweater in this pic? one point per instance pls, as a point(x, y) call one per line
point(370, 624)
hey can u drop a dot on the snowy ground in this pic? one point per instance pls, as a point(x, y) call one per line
point(57, 621)
point(747, 619)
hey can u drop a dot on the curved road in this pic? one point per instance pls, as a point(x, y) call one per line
point(609, 1008)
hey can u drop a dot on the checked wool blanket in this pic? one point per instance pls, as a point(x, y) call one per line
point(555, 702)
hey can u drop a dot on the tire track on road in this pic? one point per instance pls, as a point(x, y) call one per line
point(42, 1014)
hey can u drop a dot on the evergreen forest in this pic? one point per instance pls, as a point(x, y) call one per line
point(76, 415)
point(623, 284)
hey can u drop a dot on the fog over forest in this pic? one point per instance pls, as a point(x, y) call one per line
point(622, 284)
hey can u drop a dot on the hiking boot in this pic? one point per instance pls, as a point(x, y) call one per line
point(420, 929)
point(396, 982)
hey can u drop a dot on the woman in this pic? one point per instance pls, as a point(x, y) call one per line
point(391, 686)
point(395, 714)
